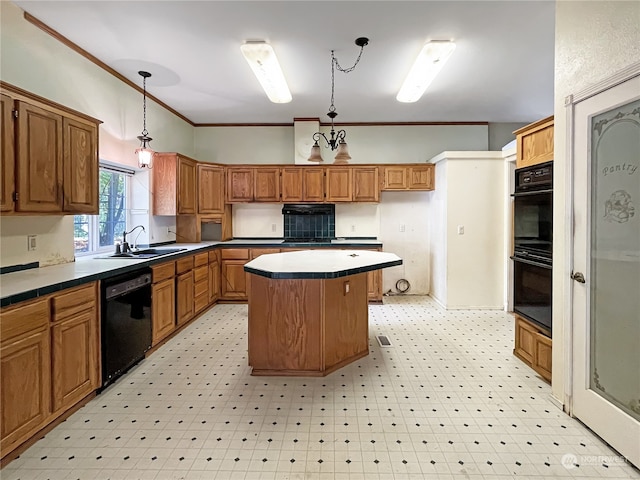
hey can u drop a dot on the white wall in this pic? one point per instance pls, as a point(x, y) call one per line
point(473, 274)
point(593, 40)
point(36, 62)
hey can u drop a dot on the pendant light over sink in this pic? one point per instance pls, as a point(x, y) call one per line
point(144, 152)
point(337, 140)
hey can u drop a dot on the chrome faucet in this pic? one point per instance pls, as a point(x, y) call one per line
point(125, 245)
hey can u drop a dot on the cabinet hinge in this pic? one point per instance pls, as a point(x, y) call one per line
point(15, 113)
point(15, 196)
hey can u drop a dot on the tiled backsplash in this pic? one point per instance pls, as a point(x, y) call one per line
point(317, 225)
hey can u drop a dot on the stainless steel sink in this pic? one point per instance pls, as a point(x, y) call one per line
point(145, 253)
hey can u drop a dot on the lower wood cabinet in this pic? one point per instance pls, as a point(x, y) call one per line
point(25, 372)
point(533, 347)
point(163, 309)
point(233, 278)
point(374, 286)
point(49, 360)
point(184, 298)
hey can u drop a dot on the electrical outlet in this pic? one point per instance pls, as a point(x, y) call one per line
point(353, 228)
point(31, 243)
point(402, 227)
point(167, 231)
point(460, 229)
point(273, 227)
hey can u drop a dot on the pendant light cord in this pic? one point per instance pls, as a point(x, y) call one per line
point(335, 64)
point(144, 107)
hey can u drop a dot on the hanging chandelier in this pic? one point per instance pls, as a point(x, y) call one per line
point(337, 139)
point(144, 152)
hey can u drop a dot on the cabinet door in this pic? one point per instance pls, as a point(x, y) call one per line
point(339, 184)
point(313, 185)
point(80, 146)
point(374, 286)
point(525, 341)
point(210, 189)
point(184, 297)
point(395, 178)
point(25, 393)
point(39, 160)
point(239, 185)
point(542, 362)
point(292, 184)
point(365, 184)
point(201, 287)
point(7, 161)
point(163, 309)
point(233, 280)
point(266, 184)
point(186, 186)
point(214, 281)
point(75, 359)
point(421, 177)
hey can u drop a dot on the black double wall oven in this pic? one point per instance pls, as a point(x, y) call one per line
point(533, 240)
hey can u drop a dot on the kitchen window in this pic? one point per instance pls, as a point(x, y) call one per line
point(98, 233)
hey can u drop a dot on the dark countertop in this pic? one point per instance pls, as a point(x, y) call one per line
point(26, 284)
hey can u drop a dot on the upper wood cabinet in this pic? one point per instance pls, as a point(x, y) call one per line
point(266, 184)
point(210, 189)
point(49, 156)
point(253, 184)
point(339, 184)
point(7, 161)
point(534, 143)
point(302, 184)
point(239, 184)
point(408, 177)
point(174, 184)
point(366, 187)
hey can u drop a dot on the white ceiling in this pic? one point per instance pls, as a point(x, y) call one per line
point(501, 71)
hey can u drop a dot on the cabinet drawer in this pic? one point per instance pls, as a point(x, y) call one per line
point(24, 318)
point(201, 288)
point(184, 265)
point(163, 272)
point(201, 259)
point(201, 274)
point(201, 301)
point(73, 301)
point(235, 253)
point(256, 252)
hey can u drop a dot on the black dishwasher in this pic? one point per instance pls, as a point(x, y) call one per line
point(126, 323)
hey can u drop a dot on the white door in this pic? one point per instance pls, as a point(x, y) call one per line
point(606, 253)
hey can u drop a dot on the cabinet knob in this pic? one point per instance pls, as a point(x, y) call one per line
point(578, 277)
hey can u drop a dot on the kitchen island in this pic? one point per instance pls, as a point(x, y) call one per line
point(308, 310)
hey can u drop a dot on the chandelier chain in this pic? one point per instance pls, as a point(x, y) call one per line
point(335, 64)
point(144, 107)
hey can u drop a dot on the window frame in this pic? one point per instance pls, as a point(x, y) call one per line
point(94, 220)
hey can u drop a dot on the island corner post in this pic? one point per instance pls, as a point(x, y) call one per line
point(301, 326)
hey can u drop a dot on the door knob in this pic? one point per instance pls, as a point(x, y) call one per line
point(578, 277)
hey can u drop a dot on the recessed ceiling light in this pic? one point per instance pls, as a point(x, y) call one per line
point(264, 63)
point(429, 62)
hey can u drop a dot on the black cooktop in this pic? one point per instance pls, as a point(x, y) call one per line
point(307, 240)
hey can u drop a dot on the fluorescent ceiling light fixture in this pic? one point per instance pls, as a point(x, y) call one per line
point(429, 62)
point(264, 63)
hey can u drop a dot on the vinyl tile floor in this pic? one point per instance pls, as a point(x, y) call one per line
point(447, 400)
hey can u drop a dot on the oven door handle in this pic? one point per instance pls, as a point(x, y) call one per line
point(531, 262)
point(528, 193)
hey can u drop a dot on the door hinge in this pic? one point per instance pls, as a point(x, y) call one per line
point(15, 196)
point(15, 113)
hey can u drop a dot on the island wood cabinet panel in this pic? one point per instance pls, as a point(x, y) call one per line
point(210, 189)
point(75, 345)
point(408, 177)
point(49, 156)
point(233, 278)
point(174, 184)
point(25, 372)
point(302, 184)
point(339, 184)
point(534, 143)
point(533, 347)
